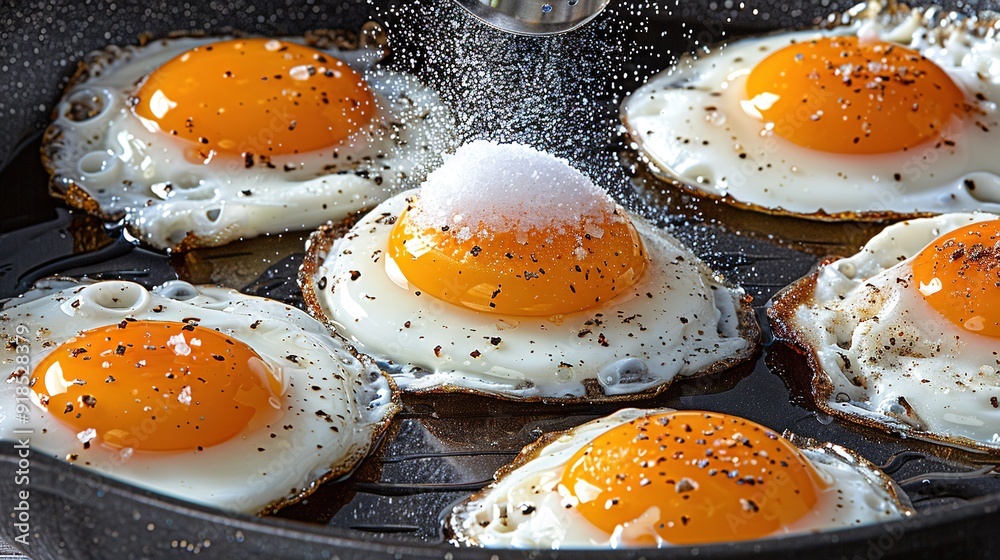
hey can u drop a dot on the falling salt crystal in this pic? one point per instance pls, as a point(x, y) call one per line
point(185, 396)
point(195, 342)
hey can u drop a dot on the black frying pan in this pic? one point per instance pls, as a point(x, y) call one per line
point(440, 449)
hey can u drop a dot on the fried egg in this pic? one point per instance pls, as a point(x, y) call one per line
point(645, 478)
point(200, 393)
point(904, 334)
point(202, 141)
point(891, 115)
point(509, 273)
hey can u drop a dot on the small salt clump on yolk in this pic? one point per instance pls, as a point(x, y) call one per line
point(697, 471)
point(864, 96)
point(661, 478)
point(531, 236)
point(959, 275)
point(208, 386)
point(224, 97)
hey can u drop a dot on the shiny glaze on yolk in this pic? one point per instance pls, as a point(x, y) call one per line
point(712, 478)
point(842, 95)
point(255, 97)
point(959, 276)
point(157, 386)
point(542, 275)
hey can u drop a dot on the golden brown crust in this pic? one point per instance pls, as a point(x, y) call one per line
point(349, 466)
point(527, 454)
point(382, 426)
point(323, 238)
point(780, 314)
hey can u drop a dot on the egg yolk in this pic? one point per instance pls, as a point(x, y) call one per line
point(959, 276)
point(255, 97)
point(157, 386)
point(533, 273)
point(694, 477)
point(851, 96)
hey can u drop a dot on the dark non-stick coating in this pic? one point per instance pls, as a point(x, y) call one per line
point(442, 448)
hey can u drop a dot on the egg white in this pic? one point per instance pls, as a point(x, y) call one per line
point(881, 354)
point(259, 470)
point(689, 124)
point(679, 319)
point(524, 508)
point(111, 165)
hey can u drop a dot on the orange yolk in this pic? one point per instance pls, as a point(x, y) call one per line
point(959, 276)
point(542, 275)
point(713, 478)
point(157, 386)
point(255, 97)
point(842, 95)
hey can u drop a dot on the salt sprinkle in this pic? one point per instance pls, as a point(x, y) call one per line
point(489, 187)
point(86, 435)
point(185, 396)
point(179, 345)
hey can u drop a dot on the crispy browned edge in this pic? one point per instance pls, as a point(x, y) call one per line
point(321, 240)
point(526, 455)
point(76, 196)
point(354, 460)
point(886, 481)
point(780, 315)
point(819, 215)
point(986, 20)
